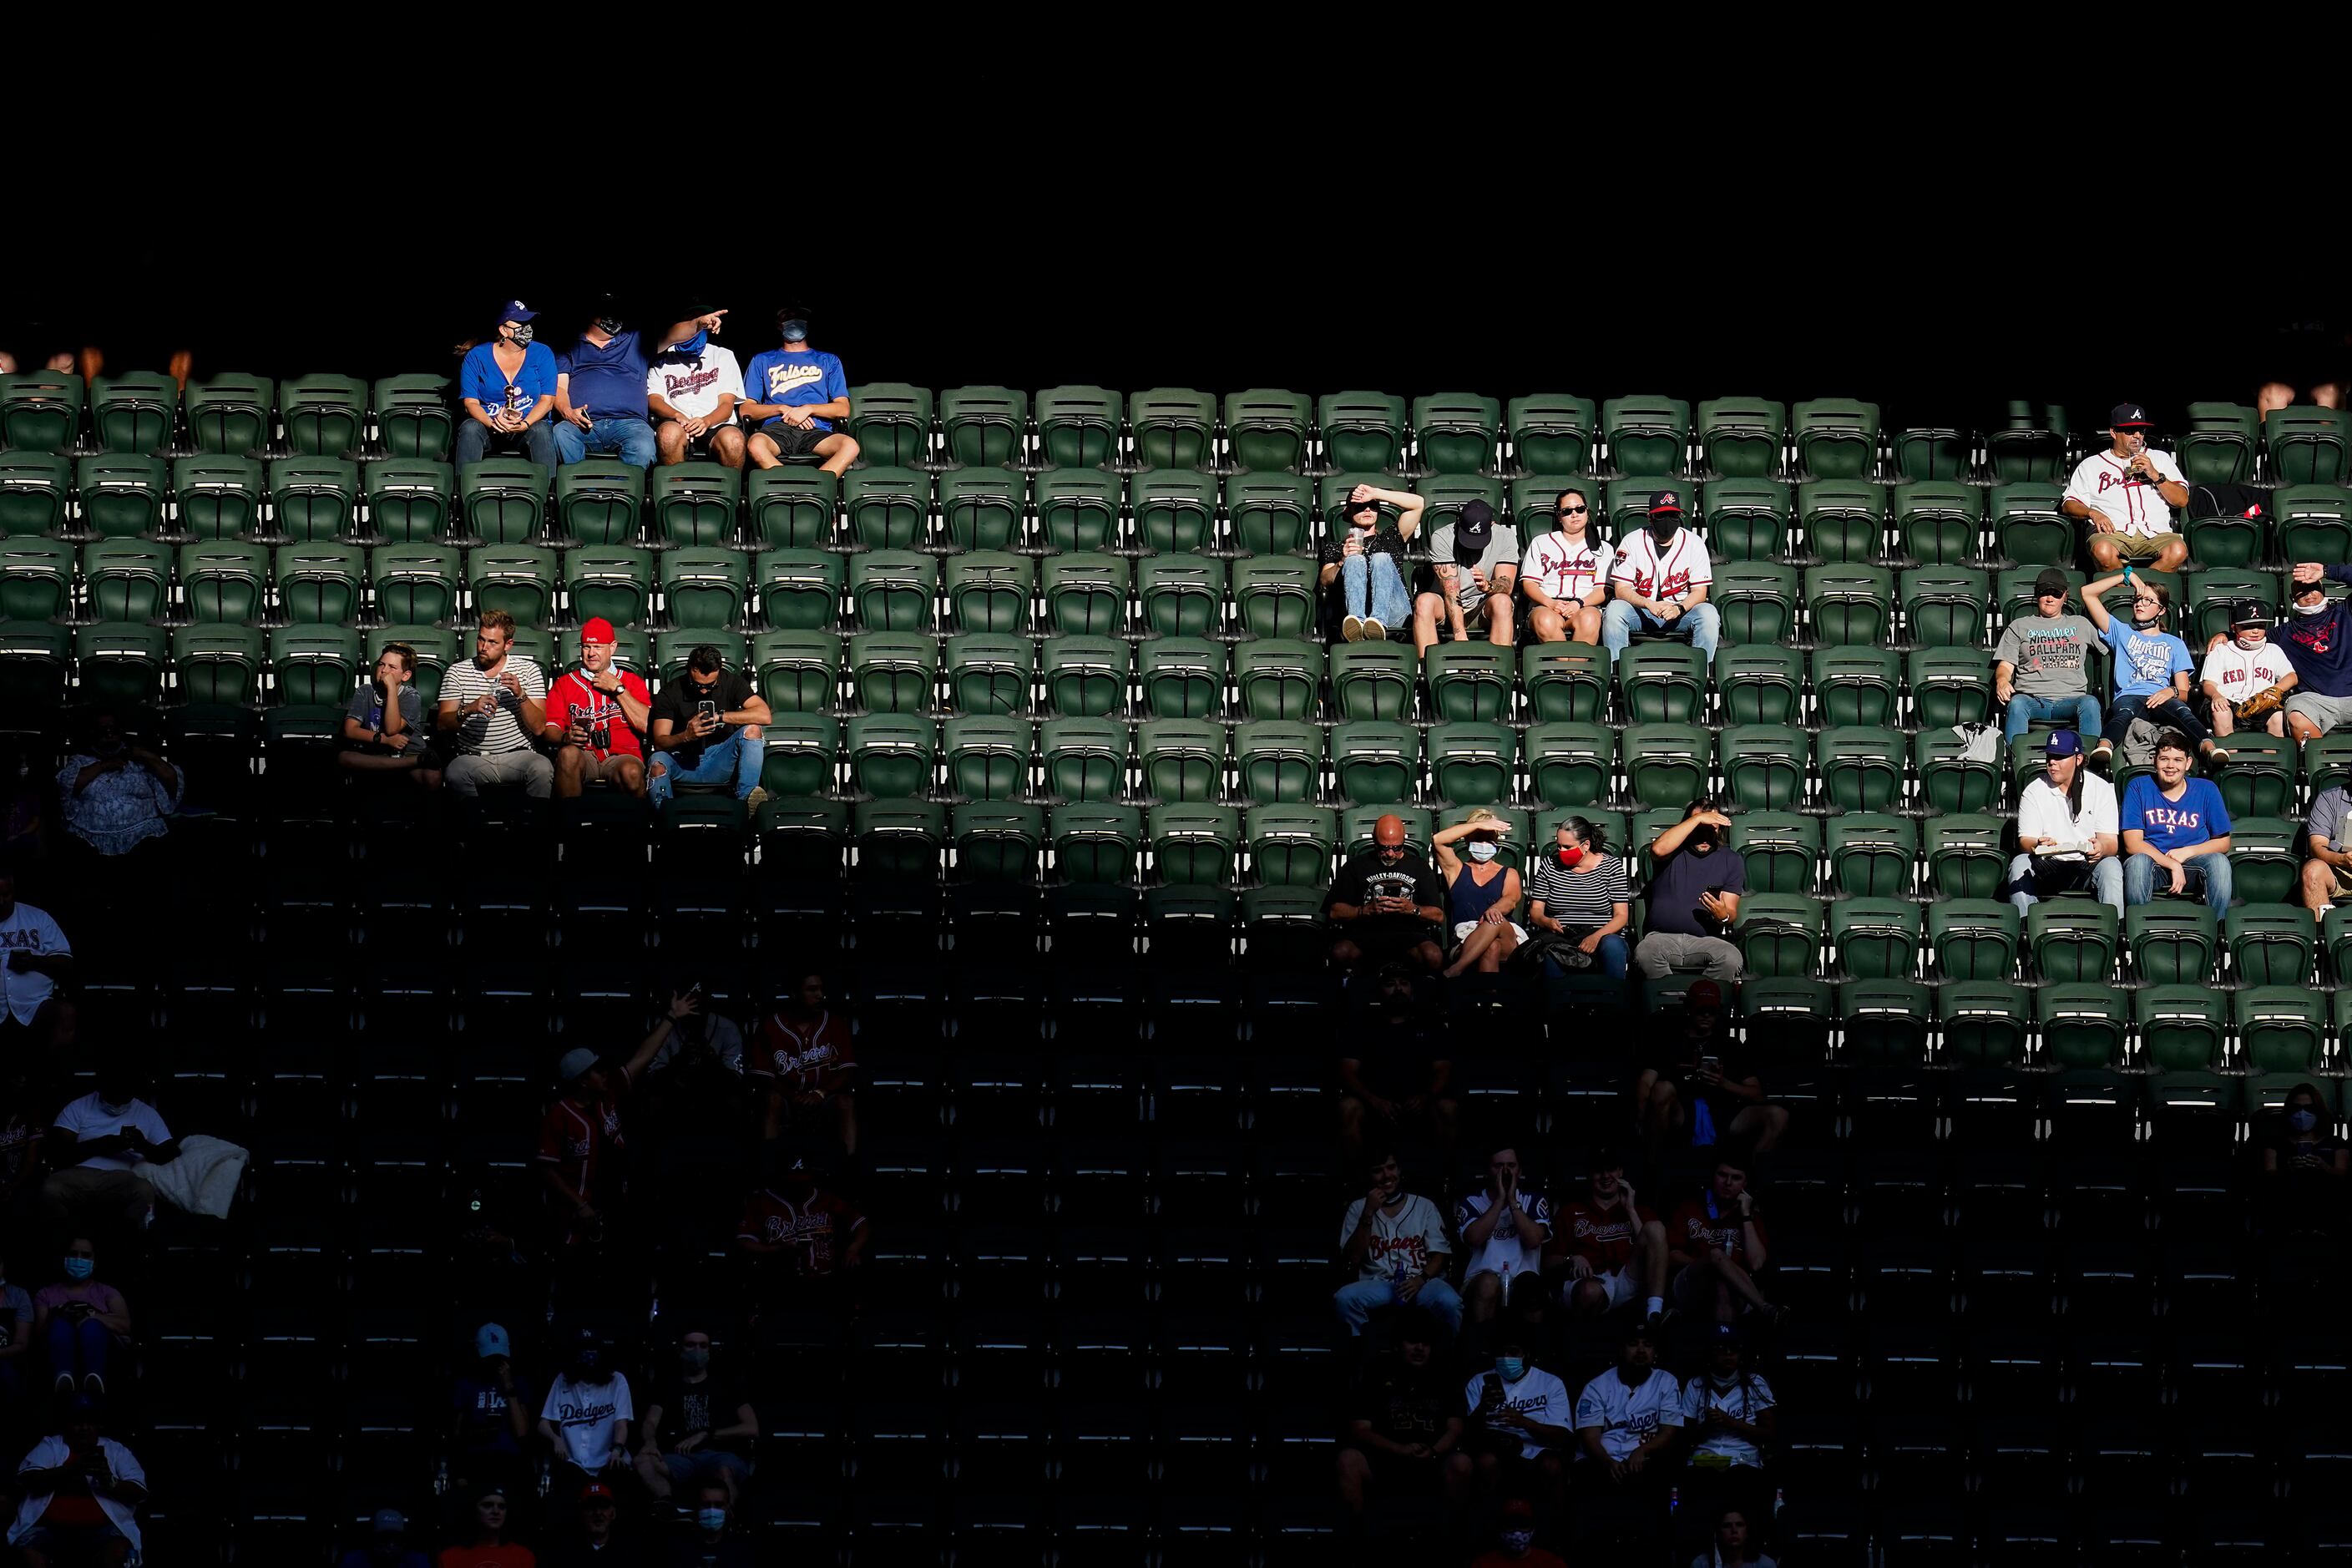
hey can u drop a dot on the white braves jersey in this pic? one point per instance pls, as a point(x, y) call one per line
point(1566, 568)
point(2103, 482)
point(2238, 673)
point(1668, 575)
point(1629, 1418)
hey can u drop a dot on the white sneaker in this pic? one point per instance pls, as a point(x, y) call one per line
point(1374, 631)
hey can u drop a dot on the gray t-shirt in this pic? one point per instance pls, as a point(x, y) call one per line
point(2048, 653)
point(366, 707)
point(2327, 813)
point(1502, 550)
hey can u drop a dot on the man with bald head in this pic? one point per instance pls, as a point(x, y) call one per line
point(1387, 904)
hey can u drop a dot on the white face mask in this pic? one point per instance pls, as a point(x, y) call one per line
point(1482, 852)
point(2317, 606)
point(2250, 644)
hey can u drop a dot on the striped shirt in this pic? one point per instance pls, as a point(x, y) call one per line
point(1581, 897)
point(487, 734)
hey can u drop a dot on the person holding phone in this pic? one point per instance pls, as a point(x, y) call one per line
point(596, 719)
point(1701, 1083)
point(493, 703)
point(706, 730)
point(1521, 1430)
point(1387, 904)
point(2127, 495)
point(1367, 562)
point(1694, 897)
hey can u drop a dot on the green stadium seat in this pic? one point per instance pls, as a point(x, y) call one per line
point(987, 757)
point(2073, 940)
point(320, 583)
point(990, 672)
point(36, 489)
point(1758, 601)
point(888, 508)
point(1458, 432)
point(1841, 521)
point(2265, 860)
point(2028, 445)
point(1779, 849)
point(1624, 503)
point(1534, 497)
point(891, 755)
point(314, 666)
point(1741, 437)
point(1859, 768)
point(997, 841)
point(2266, 1093)
point(801, 838)
point(2209, 594)
point(1551, 433)
point(1950, 686)
point(323, 416)
point(1765, 766)
point(1951, 783)
point(1759, 683)
point(1181, 677)
point(1184, 923)
point(409, 499)
point(227, 415)
point(1875, 939)
point(225, 580)
point(1974, 939)
point(991, 591)
point(2259, 780)
point(892, 422)
point(1085, 594)
point(796, 672)
point(984, 426)
point(504, 499)
point(2270, 944)
point(2082, 1026)
point(1375, 763)
point(2313, 521)
point(1837, 438)
point(1472, 764)
point(1173, 427)
point(1279, 677)
point(1781, 936)
point(893, 590)
point(2325, 762)
point(1182, 759)
point(1278, 762)
point(612, 581)
point(1785, 1015)
point(1181, 595)
point(413, 419)
point(2233, 541)
point(1290, 846)
point(1270, 515)
point(694, 503)
point(41, 410)
point(35, 579)
point(2013, 591)
point(800, 754)
point(898, 839)
point(122, 496)
point(1565, 682)
point(1850, 604)
point(2182, 1028)
point(2027, 526)
point(1077, 427)
point(800, 590)
point(1870, 854)
point(672, 649)
point(134, 412)
point(1193, 845)
point(1085, 677)
point(1175, 510)
point(2218, 447)
point(894, 673)
point(1362, 431)
point(1572, 763)
point(1647, 435)
point(1939, 522)
point(2170, 944)
point(1663, 683)
point(707, 587)
point(790, 506)
point(2281, 1028)
point(217, 667)
point(1745, 519)
point(314, 498)
point(1984, 1022)
point(1267, 429)
point(1856, 686)
point(1085, 759)
point(1945, 606)
point(35, 660)
point(1886, 1021)
point(521, 579)
point(1372, 680)
point(1967, 856)
point(1095, 843)
point(220, 497)
point(1666, 764)
point(435, 650)
point(2307, 446)
point(1469, 681)
point(127, 579)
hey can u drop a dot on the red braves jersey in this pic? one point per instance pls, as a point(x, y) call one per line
point(1694, 1231)
point(572, 694)
point(805, 1056)
point(580, 1140)
point(1668, 575)
point(810, 1229)
point(1602, 1237)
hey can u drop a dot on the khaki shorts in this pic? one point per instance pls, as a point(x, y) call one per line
point(2343, 888)
point(604, 770)
point(2132, 547)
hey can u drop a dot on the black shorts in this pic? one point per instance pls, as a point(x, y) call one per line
point(1381, 944)
point(791, 441)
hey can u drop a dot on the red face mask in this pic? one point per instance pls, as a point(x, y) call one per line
point(1570, 857)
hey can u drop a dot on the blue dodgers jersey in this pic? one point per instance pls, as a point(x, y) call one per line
point(796, 380)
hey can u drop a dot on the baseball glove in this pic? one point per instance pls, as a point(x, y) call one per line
point(2260, 705)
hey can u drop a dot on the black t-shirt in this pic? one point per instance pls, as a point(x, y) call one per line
point(1392, 1057)
point(1408, 1404)
point(1366, 878)
point(703, 1406)
point(677, 700)
point(1378, 542)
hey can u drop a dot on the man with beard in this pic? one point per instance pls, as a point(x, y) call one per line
point(1659, 584)
point(1627, 1417)
point(2318, 637)
point(1694, 897)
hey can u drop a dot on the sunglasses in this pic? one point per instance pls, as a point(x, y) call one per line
point(1574, 511)
point(1388, 849)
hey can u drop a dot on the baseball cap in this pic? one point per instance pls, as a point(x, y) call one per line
point(2062, 744)
point(595, 1491)
point(1703, 994)
point(389, 1521)
point(516, 310)
point(1474, 530)
point(2248, 612)
point(491, 1339)
point(1665, 501)
point(1724, 1331)
point(597, 629)
point(1519, 1507)
point(576, 1060)
point(2052, 581)
point(2124, 416)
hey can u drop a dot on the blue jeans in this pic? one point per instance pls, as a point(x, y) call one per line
point(1613, 954)
point(79, 1350)
point(2163, 709)
point(2024, 710)
point(1369, 585)
point(474, 440)
point(1700, 626)
point(627, 434)
point(1360, 1301)
point(2209, 873)
point(738, 757)
point(2029, 879)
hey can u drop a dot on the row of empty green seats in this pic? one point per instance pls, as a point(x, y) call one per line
point(233, 414)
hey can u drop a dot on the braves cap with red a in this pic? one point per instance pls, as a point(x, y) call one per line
point(1665, 503)
point(2128, 416)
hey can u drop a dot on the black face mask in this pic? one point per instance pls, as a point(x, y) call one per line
point(1701, 838)
point(609, 325)
point(1663, 529)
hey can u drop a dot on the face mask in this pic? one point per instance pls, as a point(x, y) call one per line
point(521, 336)
point(794, 332)
point(583, 1370)
point(1570, 856)
point(1510, 1368)
point(2302, 1120)
point(2250, 644)
point(694, 1361)
point(1663, 529)
point(692, 347)
point(80, 1268)
point(711, 1518)
point(1701, 838)
point(2312, 608)
point(609, 325)
point(2143, 622)
point(1517, 1542)
point(1482, 853)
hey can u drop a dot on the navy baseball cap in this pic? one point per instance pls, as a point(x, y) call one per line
point(516, 310)
point(1663, 502)
point(2125, 416)
point(2062, 744)
point(1473, 530)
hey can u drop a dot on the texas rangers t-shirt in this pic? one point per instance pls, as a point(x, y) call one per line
point(31, 930)
point(1508, 1253)
point(1667, 574)
point(794, 381)
point(2146, 662)
point(693, 386)
point(2101, 483)
point(2238, 673)
point(2198, 815)
point(1566, 568)
point(1537, 1396)
point(1629, 1418)
point(1402, 1242)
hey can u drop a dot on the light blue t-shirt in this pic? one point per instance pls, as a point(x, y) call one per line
point(794, 381)
point(485, 383)
point(2146, 662)
point(2198, 815)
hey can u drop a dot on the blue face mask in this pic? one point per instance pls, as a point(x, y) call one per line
point(80, 1268)
point(2302, 1120)
point(692, 347)
point(793, 332)
point(1510, 1368)
point(1482, 851)
point(711, 1518)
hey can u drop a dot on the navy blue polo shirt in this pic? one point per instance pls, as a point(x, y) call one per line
point(609, 380)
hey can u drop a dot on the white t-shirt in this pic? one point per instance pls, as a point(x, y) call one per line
point(1745, 1400)
point(2239, 673)
point(47, 1455)
point(1565, 568)
point(2101, 483)
point(693, 389)
point(28, 930)
point(2043, 811)
point(86, 1119)
point(1506, 1254)
point(1628, 1417)
point(1537, 1396)
point(1662, 575)
point(584, 1413)
point(500, 730)
point(1402, 1242)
